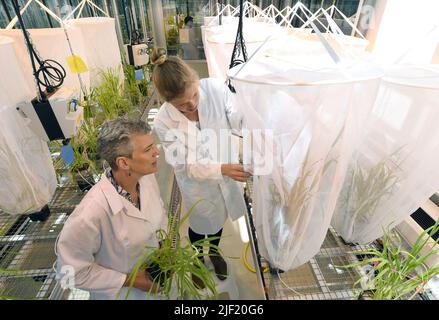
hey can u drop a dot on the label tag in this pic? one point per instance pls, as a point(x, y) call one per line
point(67, 154)
point(139, 74)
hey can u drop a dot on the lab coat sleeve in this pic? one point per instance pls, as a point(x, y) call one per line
point(78, 242)
point(203, 169)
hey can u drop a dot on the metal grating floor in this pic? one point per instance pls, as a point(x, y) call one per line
point(27, 252)
point(319, 279)
point(27, 256)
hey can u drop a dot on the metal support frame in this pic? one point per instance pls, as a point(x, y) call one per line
point(118, 28)
point(254, 246)
point(106, 7)
point(143, 19)
point(127, 24)
point(158, 26)
point(134, 15)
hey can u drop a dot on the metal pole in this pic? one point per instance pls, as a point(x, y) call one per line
point(134, 15)
point(106, 7)
point(143, 20)
point(118, 29)
point(127, 24)
point(158, 26)
point(254, 246)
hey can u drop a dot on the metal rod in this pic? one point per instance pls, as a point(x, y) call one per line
point(118, 28)
point(129, 30)
point(21, 238)
point(158, 26)
point(106, 7)
point(143, 20)
point(134, 15)
point(254, 246)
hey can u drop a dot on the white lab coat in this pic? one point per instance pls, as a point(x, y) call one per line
point(202, 179)
point(105, 236)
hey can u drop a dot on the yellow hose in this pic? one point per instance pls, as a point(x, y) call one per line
point(244, 258)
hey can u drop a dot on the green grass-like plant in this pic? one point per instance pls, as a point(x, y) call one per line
point(84, 147)
point(178, 260)
point(368, 188)
point(110, 96)
point(401, 274)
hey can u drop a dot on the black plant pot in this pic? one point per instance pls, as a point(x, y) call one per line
point(41, 215)
point(85, 182)
point(366, 295)
point(156, 274)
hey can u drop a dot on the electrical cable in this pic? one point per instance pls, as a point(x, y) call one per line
point(246, 263)
point(50, 74)
point(287, 286)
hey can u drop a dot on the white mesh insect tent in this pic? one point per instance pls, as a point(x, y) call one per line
point(28, 179)
point(312, 107)
point(102, 50)
point(395, 168)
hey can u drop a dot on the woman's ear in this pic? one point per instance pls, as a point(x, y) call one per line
point(122, 163)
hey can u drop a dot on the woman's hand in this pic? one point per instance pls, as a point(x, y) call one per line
point(143, 281)
point(235, 171)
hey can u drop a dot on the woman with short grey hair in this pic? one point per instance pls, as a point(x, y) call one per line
point(109, 230)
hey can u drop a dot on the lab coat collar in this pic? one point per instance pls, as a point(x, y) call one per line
point(113, 198)
point(117, 203)
point(183, 123)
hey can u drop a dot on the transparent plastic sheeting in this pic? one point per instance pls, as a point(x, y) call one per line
point(313, 115)
point(27, 176)
point(102, 49)
point(219, 41)
point(395, 168)
point(50, 44)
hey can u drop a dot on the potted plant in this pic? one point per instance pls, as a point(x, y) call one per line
point(395, 273)
point(173, 265)
point(84, 167)
point(110, 96)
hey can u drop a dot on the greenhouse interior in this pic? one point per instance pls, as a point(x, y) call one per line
point(135, 111)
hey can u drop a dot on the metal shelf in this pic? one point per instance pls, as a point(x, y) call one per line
point(27, 252)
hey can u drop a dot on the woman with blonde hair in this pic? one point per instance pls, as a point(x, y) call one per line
point(189, 124)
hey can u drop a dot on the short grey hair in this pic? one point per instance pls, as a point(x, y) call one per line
point(114, 138)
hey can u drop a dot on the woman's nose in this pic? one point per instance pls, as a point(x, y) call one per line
point(156, 151)
point(191, 104)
